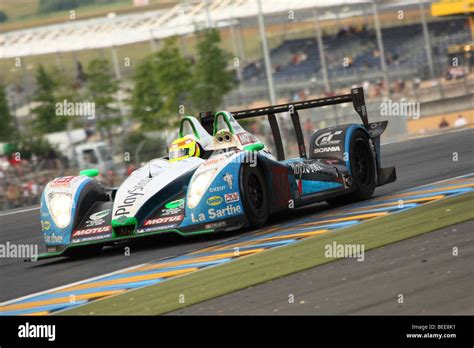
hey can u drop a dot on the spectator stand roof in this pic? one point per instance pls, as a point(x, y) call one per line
point(120, 30)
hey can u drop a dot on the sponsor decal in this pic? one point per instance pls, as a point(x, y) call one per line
point(91, 231)
point(217, 213)
point(246, 138)
point(45, 225)
point(219, 156)
point(122, 218)
point(214, 200)
point(174, 211)
point(326, 139)
point(53, 238)
point(63, 181)
point(217, 189)
point(227, 211)
point(132, 196)
point(231, 197)
point(156, 228)
point(327, 149)
point(97, 219)
point(214, 160)
point(215, 224)
point(300, 168)
point(229, 179)
point(164, 220)
point(99, 215)
point(179, 203)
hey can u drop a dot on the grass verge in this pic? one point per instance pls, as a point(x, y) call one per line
point(255, 269)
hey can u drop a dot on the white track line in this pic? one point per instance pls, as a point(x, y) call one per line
point(19, 211)
point(72, 284)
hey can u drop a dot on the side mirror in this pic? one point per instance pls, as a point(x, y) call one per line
point(92, 172)
point(254, 147)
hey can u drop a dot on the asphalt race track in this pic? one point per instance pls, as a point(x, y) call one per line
point(432, 281)
point(418, 162)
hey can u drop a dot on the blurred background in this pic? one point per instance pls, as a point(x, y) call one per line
point(104, 83)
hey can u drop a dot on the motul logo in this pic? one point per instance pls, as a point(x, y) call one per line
point(89, 231)
point(163, 220)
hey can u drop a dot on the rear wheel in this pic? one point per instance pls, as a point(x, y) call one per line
point(254, 196)
point(363, 170)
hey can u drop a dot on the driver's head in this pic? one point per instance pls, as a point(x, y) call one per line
point(183, 148)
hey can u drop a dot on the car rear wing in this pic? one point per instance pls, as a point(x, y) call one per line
point(356, 97)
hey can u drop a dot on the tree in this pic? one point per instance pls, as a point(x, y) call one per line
point(7, 130)
point(212, 79)
point(146, 99)
point(162, 84)
point(101, 89)
point(47, 6)
point(46, 120)
point(174, 79)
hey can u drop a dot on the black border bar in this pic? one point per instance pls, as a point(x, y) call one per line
point(290, 330)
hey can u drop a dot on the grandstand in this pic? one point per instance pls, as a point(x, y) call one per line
point(182, 19)
point(403, 46)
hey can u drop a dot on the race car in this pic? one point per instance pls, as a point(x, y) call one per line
point(219, 177)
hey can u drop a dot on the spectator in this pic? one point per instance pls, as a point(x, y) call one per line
point(444, 123)
point(366, 86)
point(52, 160)
point(3, 202)
point(460, 121)
point(13, 195)
point(131, 168)
point(416, 83)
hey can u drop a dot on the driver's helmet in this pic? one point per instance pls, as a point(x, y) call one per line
point(183, 148)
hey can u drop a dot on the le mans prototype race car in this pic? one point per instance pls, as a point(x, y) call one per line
point(236, 182)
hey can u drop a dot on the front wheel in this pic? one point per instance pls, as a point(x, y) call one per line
point(363, 170)
point(254, 196)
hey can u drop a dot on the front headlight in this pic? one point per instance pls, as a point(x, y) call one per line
point(60, 205)
point(198, 186)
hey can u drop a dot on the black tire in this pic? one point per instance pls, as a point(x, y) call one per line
point(363, 169)
point(254, 196)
